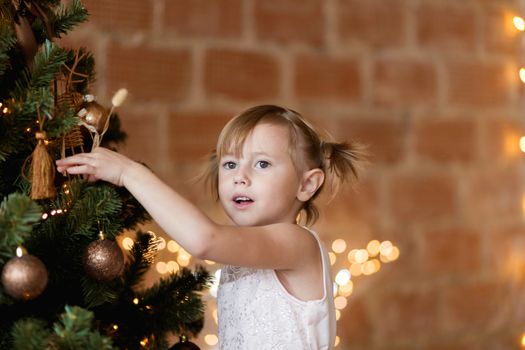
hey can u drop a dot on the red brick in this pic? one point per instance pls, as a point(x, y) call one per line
point(402, 82)
point(500, 35)
point(289, 21)
point(351, 207)
point(473, 306)
point(117, 15)
point(241, 75)
point(143, 131)
point(355, 326)
point(408, 314)
point(446, 140)
point(501, 139)
point(444, 27)
point(193, 134)
point(150, 73)
point(506, 254)
point(384, 138)
point(477, 84)
point(323, 77)
point(204, 18)
point(420, 197)
point(451, 252)
point(492, 193)
point(375, 23)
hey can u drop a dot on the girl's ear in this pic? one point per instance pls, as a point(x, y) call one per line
point(310, 183)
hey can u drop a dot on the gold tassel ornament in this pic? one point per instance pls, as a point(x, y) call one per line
point(42, 167)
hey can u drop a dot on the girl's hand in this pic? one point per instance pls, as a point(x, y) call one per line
point(100, 164)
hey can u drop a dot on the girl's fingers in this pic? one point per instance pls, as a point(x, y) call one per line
point(76, 159)
point(81, 169)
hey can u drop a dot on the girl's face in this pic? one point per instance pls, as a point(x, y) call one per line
point(261, 186)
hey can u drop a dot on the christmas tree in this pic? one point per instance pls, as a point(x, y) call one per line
point(65, 282)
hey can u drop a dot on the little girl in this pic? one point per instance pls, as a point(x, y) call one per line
point(269, 165)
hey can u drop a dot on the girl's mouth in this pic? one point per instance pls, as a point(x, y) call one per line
point(242, 201)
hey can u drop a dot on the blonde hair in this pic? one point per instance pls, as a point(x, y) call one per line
point(339, 161)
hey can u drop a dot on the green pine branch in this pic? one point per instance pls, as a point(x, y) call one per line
point(139, 259)
point(178, 304)
point(30, 334)
point(94, 206)
point(64, 120)
point(46, 65)
point(96, 293)
point(18, 213)
point(73, 331)
point(68, 17)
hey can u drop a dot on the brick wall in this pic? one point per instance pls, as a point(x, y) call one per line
point(429, 85)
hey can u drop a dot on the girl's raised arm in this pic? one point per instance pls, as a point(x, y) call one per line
point(278, 246)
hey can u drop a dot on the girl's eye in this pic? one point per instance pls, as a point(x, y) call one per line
point(262, 164)
point(229, 165)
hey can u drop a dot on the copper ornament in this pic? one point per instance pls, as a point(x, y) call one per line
point(103, 260)
point(94, 114)
point(24, 278)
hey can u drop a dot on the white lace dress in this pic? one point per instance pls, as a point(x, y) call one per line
point(256, 312)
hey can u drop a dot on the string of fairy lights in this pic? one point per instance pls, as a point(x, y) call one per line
point(347, 264)
point(519, 24)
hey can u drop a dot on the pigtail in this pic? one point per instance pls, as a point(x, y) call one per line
point(342, 162)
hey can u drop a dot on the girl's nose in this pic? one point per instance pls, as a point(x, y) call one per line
point(239, 181)
point(241, 178)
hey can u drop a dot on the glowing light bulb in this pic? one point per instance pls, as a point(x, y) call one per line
point(183, 259)
point(361, 256)
point(369, 267)
point(162, 267)
point(173, 246)
point(127, 243)
point(522, 144)
point(340, 302)
point(355, 269)
point(519, 23)
point(347, 289)
point(339, 245)
point(385, 248)
point(342, 277)
point(522, 75)
point(172, 266)
point(211, 339)
point(373, 247)
point(351, 255)
point(394, 254)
